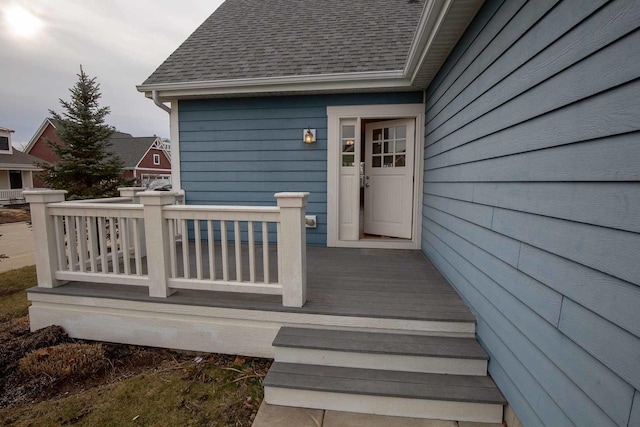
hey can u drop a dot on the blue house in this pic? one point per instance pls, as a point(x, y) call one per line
point(473, 219)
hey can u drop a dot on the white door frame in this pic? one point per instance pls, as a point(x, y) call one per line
point(358, 112)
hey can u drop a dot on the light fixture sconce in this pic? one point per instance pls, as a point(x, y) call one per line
point(309, 135)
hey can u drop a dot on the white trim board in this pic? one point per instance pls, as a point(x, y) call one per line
point(174, 132)
point(358, 112)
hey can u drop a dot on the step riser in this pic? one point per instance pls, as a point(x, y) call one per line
point(382, 405)
point(391, 362)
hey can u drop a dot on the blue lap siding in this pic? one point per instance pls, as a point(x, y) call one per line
point(240, 151)
point(532, 202)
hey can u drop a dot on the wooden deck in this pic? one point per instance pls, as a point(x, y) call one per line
point(374, 283)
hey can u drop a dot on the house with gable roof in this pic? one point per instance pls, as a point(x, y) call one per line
point(146, 159)
point(16, 170)
point(456, 220)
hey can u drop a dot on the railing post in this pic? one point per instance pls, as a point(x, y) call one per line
point(131, 192)
point(157, 240)
point(292, 248)
point(44, 234)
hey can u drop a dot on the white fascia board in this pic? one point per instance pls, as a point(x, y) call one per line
point(431, 19)
point(324, 82)
point(19, 167)
point(37, 135)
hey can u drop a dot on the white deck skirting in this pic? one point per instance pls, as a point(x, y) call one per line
point(198, 328)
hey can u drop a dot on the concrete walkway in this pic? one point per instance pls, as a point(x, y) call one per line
point(16, 242)
point(284, 416)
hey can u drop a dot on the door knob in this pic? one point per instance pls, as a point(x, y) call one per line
point(367, 185)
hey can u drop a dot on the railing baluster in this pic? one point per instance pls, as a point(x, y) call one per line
point(104, 249)
point(185, 250)
point(124, 244)
point(265, 252)
point(172, 248)
point(211, 243)
point(198, 244)
point(93, 244)
point(252, 253)
point(279, 247)
point(115, 259)
point(136, 246)
point(238, 243)
point(62, 258)
point(71, 238)
point(225, 250)
point(81, 226)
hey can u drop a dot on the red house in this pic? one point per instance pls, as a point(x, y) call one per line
point(145, 158)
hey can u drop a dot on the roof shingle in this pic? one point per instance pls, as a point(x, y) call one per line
point(273, 38)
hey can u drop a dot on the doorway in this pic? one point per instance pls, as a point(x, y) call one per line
point(375, 175)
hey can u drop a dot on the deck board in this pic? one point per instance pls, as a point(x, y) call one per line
point(377, 283)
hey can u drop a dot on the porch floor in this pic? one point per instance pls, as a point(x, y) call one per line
point(374, 283)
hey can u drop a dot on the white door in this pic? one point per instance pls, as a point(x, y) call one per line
point(388, 194)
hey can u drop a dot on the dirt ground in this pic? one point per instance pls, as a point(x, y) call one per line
point(42, 382)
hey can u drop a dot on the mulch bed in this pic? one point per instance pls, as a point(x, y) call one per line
point(8, 216)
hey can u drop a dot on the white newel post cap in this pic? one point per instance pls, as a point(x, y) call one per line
point(292, 200)
point(130, 191)
point(44, 195)
point(157, 198)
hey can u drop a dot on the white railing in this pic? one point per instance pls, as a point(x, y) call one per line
point(145, 238)
point(11, 194)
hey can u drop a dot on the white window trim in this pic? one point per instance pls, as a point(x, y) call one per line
point(391, 112)
point(156, 156)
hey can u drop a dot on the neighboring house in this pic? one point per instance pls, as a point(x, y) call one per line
point(500, 147)
point(145, 159)
point(16, 170)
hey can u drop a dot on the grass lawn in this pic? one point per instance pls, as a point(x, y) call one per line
point(140, 386)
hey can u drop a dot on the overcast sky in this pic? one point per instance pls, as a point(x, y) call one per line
point(121, 42)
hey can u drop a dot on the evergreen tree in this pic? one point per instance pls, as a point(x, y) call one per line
point(86, 169)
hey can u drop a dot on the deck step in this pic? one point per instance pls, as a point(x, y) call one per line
point(384, 392)
point(373, 350)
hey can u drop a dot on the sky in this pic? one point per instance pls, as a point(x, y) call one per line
point(120, 42)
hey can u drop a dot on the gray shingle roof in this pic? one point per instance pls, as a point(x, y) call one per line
point(271, 38)
point(18, 158)
point(128, 148)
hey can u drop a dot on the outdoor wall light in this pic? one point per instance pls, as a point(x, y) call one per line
point(309, 135)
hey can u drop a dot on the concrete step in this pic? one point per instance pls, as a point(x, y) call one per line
point(396, 352)
point(384, 392)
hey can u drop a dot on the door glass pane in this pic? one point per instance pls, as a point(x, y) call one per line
point(377, 148)
point(347, 159)
point(388, 161)
point(388, 133)
point(348, 131)
point(377, 134)
point(401, 146)
point(400, 161)
point(348, 146)
point(401, 132)
point(376, 161)
point(388, 146)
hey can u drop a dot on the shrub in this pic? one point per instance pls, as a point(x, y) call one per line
point(64, 360)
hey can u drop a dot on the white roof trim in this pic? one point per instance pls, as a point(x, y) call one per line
point(38, 134)
point(156, 145)
point(431, 20)
point(316, 82)
point(19, 166)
